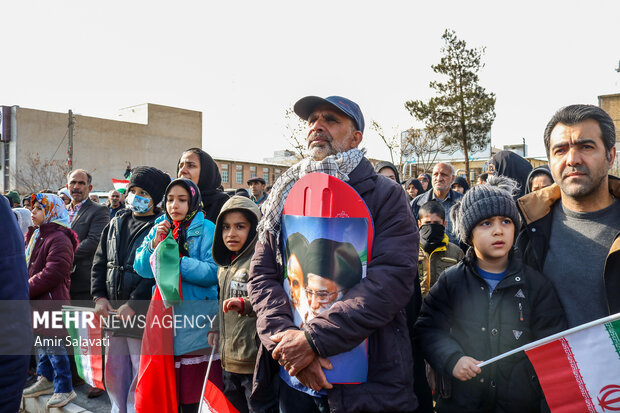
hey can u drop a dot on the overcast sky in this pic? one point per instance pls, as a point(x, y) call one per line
point(242, 63)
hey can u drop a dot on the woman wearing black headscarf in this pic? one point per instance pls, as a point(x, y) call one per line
point(413, 188)
point(198, 166)
point(512, 165)
point(426, 181)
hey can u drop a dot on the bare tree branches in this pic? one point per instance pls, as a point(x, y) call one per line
point(37, 174)
point(392, 142)
point(296, 133)
point(423, 146)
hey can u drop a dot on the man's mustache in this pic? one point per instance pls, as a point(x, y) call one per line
point(582, 169)
point(319, 135)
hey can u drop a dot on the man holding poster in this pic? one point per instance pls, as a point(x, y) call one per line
point(372, 310)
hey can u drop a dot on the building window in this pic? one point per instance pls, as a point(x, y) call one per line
point(239, 174)
point(266, 175)
point(225, 173)
point(277, 172)
point(252, 172)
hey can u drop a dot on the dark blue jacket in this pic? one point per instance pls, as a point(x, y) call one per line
point(16, 329)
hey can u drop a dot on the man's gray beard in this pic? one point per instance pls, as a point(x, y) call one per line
point(318, 153)
point(580, 191)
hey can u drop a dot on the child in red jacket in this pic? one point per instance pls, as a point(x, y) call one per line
point(50, 245)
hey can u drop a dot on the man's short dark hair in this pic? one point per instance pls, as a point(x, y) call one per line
point(574, 114)
point(483, 177)
point(88, 175)
point(432, 207)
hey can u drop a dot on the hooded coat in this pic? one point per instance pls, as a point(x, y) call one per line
point(544, 169)
point(238, 335)
point(513, 166)
point(209, 183)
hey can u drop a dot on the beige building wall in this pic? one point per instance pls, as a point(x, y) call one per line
point(155, 135)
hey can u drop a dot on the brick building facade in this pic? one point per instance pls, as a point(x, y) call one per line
point(235, 173)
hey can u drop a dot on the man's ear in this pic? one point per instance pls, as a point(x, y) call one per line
point(612, 156)
point(445, 223)
point(419, 223)
point(356, 139)
point(90, 188)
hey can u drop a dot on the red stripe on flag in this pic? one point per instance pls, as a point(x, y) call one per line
point(96, 353)
point(214, 401)
point(557, 378)
point(156, 389)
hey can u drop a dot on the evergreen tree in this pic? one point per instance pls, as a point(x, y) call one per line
point(462, 109)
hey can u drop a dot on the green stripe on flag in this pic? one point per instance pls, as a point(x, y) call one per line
point(613, 329)
point(73, 332)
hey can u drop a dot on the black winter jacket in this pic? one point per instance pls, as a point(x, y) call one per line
point(113, 276)
point(459, 319)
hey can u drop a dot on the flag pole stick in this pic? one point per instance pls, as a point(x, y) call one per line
point(204, 384)
point(548, 339)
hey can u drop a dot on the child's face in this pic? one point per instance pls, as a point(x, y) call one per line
point(431, 219)
point(492, 238)
point(177, 202)
point(136, 190)
point(235, 230)
point(38, 214)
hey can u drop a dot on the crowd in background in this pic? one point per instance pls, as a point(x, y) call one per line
point(461, 272)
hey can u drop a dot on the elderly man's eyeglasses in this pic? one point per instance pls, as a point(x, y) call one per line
point(321, 296)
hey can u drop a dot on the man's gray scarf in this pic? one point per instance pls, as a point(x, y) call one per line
point(339, 166)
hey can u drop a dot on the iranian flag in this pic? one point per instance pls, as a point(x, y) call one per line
point(578, 369)
point(212, 399)
point(120, 185)
point(580, 372)
point(87, 340)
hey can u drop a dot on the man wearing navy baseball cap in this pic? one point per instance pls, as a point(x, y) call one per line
point(372, 310)
point(336, 124)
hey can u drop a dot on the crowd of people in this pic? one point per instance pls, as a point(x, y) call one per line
point(460, 272)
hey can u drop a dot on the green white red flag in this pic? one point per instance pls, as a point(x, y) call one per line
point(120, 185)
point(87, 343)
point(580, 372)
point(579, 368)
